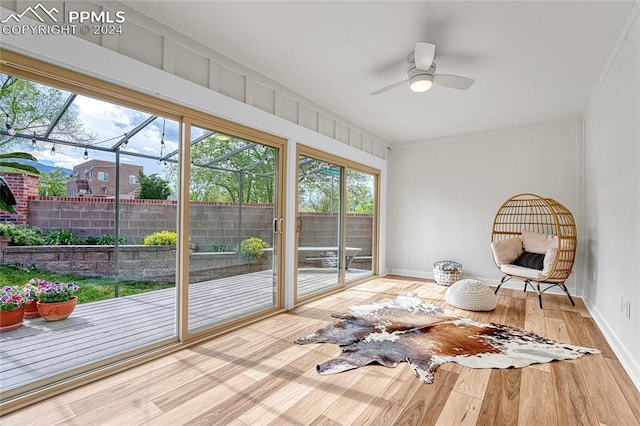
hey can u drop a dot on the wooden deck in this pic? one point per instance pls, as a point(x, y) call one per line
point(99, 330)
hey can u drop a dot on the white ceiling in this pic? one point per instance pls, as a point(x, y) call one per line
point(532, 61)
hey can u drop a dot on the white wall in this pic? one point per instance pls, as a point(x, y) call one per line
point(444, 193)
point(612, 200)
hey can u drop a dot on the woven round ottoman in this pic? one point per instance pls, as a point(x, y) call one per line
point(471, 295)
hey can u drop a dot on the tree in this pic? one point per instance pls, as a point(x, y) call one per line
point(319, 188)
point(250, 167)
point(32, 107)
point(359, 192)
point(153, 187)
point(54, 183)
point(7, 200)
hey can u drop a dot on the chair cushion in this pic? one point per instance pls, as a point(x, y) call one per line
point(471, 295)
point(506, 251)
point(520, 271)
point(549, 260)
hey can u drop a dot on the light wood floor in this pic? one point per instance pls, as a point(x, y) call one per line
point(257, 376)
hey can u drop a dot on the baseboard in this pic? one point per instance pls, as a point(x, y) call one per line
point(513, 284)
point(629, 364)
point(411, 273)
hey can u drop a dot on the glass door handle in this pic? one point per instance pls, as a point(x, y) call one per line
point(277, 225)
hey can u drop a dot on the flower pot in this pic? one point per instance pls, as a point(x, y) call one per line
point(58, 310)
point(31, 310)
point(11, 319)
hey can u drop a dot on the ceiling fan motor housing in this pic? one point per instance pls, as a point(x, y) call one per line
point(412, 71)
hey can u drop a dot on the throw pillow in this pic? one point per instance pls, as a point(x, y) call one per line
point(549, 260)
point(506, 251)
point(534, 242)
point(531, 260)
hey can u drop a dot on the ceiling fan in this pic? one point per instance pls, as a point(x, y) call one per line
point(421, 72)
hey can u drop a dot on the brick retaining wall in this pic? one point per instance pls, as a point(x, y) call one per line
point(136, 263)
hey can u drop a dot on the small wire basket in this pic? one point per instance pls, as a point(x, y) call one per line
point(447, 272)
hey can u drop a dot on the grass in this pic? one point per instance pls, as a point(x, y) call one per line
point(92, 289)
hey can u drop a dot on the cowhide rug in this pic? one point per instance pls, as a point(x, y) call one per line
point(412, 330)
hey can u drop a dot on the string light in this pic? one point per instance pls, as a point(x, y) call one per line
point(125, 143)
point(85, 155)
point(53, 149)
point(164, 122)
point(33, 141)
point(10, 129)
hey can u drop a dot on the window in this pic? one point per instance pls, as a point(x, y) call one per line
point(133, 179)
point(103, 175)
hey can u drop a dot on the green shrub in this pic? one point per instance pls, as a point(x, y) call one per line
point(22, 235)
point(61, 237)
point(108, 240)
point(104, 240)
point(92, 240)
point(161, 238)
point(219, 247)
point(251, 249)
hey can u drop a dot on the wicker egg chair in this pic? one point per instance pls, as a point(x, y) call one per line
point(546, 220)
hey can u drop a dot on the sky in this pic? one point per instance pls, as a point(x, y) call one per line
point(108, 123)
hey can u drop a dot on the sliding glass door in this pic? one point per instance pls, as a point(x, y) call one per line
point(360, 224)
point(93, 214)
point(318, 225)
point(234, 228)
point(173, 231)
point(335, 223)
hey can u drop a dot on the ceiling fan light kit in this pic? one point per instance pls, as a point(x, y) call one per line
point(421, 72)
point(420, 80)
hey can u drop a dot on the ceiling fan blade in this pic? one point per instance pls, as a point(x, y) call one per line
point(424, 55)
point(389, 87)
point(453, 81)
